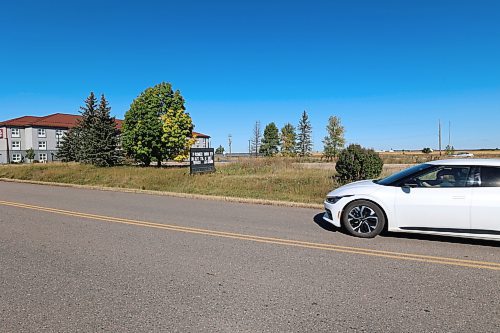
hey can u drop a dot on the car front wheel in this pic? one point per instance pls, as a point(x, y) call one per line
point(363, 219)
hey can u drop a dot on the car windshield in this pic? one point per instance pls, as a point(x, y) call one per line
point(395, 178)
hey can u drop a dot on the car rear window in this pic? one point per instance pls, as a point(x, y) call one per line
point(490, 177)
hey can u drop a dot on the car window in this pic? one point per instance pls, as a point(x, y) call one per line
point(490, 177)
point(397, 178)
point(474, 179)
point(444, 177)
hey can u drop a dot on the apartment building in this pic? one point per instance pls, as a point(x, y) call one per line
point(44, 135)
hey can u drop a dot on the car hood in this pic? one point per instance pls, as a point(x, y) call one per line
point(359, 187)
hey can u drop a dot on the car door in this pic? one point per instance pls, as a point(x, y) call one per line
point(485, 204)
point(432, 203)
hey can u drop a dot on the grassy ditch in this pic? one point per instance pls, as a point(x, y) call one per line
point(260, 179)
point(268, 179)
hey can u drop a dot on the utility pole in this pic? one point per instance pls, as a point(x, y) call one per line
point(249, 147)
point(449, 134)
point(230, 141)
point(439, 137)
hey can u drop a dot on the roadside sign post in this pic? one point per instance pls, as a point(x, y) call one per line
point(201, 160)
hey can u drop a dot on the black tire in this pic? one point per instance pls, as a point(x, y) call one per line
point(363, 219)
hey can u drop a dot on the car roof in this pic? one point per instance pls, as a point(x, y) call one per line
point(468, 161)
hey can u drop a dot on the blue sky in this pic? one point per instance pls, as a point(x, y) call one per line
point(389, 69)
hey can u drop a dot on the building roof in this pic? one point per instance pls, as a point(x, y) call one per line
point(61, 120)
point(201, 135)
point(21, 121)
point(56, 120)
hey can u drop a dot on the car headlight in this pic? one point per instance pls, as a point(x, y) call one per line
point(334, 200)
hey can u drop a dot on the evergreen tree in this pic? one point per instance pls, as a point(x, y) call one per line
point(304, 142)
point(84, 145)
point(94, 140)
point(102, 138)
point(75, 145)
point(288, 140)
point(69, 146)
point(270, 142)
point(334, 141)
point(144, 137)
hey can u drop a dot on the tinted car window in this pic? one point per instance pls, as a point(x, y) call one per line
point(445, 176)
point(490, 177)
point(395, 179)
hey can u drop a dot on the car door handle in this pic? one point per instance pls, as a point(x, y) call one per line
point(458, 197)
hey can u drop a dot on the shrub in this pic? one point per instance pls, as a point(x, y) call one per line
point(357, 163)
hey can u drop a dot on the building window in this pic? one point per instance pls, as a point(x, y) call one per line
point(42, 133)
point(58, 144)
point(16, 145)
point(59, 133)
point(42, 145)
point(42, 157)
point(16, 158)
point(15, 132)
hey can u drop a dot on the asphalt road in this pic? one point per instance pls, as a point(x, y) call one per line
point(75, 260)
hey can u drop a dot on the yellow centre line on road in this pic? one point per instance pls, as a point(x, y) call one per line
point(268, 240)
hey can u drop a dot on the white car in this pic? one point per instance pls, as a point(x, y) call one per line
point(463, 154)
point(459, 197)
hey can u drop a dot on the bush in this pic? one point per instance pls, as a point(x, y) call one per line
point(357, 163)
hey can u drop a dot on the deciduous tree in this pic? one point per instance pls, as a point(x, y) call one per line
point(177, 135)
point(219, 150)
point(147, 132)
point(30, 154)
point(334, 141)
point(255, 141)
point(288, 140)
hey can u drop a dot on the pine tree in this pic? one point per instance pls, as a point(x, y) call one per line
point(94, 140)
point(304, 142)
point(103, 138)
point(76, 143)
point(288, 140)
point(69, 146)
point(334, 141)
point(270, 142)
point(84, 146)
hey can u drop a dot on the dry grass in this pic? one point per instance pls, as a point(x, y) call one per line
point(269, 179)
point(279, 179)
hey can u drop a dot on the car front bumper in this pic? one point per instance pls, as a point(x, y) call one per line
point(332, 213)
